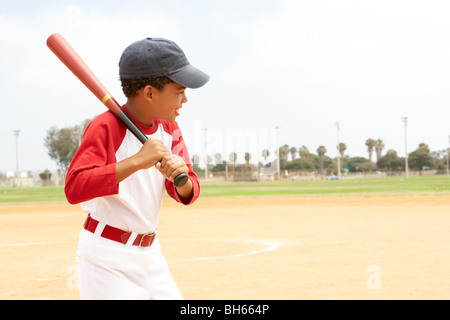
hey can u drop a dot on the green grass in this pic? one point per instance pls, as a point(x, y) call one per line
point(38, 194)
point(369, 186)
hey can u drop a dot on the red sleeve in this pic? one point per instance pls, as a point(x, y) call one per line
point(179, 148)
point(92, 172)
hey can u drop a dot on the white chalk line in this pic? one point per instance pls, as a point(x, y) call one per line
point(27, 244)
point(268, 246)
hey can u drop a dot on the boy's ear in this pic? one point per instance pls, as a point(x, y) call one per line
point(147, 92)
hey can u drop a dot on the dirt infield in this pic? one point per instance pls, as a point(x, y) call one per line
point(254, 248)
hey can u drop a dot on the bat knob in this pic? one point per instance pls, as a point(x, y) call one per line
point(180, 180)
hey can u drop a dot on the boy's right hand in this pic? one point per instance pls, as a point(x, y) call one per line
point(148, 156)
point(151, 153)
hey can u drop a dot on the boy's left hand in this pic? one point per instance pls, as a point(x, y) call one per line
point(171, 166)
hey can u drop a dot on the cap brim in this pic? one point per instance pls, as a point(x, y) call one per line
point(190, 77)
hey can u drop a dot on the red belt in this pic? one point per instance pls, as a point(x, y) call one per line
point(114, 234)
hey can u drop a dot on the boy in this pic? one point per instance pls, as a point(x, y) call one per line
point(120, 182)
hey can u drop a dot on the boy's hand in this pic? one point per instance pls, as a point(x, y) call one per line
point(171, 166)
point(151, 153)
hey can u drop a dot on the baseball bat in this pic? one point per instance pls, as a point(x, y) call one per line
point(61, 48)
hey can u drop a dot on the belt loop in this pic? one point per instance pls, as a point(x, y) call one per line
point(99, 230)
point(131, 239)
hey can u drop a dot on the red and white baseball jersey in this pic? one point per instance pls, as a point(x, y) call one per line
point(135, 203)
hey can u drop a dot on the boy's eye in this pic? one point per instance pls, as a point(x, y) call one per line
point(181, 90)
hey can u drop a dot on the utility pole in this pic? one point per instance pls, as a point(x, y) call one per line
point(206, 155)
point(278, 152)
point(405, 120)
point(16, 134)
point(448, 158)
point(339, 154)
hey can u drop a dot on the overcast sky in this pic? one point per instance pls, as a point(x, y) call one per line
point(300, 65)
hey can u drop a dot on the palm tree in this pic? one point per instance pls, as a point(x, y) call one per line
point(370, 143)
point(284, 152)
point(293, 151)
point(342, 147)
point(265, 154)
point(379, 146)
point(321, 153)
point(247, 156)
point(304, 152)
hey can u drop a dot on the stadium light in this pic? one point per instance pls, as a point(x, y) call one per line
point(405, 120)
point(16, 134)
point(206, 154)
point(278, 152)
point(448, 156)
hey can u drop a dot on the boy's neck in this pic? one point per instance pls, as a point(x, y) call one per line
point(139, 111)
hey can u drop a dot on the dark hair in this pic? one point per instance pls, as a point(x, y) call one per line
point(131, 86)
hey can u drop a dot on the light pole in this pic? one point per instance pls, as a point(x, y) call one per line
point(339, 154)
point(16, 134)
point(278, 152)
point(448, 156)
point(405, 120)
point(206, 156)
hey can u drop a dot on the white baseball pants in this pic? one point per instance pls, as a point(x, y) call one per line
point(109, 270)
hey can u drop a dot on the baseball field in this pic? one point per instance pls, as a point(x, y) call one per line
point(379, 238)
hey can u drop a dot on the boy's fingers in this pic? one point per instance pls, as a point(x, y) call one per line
point(165, 161)
point(171, 166)
point(159, 168)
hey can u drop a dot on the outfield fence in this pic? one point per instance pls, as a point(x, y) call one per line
point(238, 174)
point(299, 175)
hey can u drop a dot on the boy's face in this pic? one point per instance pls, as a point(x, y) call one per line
point(168, 101)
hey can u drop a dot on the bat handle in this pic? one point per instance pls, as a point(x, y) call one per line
point(181, 179)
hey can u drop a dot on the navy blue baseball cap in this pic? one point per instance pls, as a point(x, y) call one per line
point(158, 57)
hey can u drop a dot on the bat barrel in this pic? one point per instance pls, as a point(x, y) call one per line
point(62, 49)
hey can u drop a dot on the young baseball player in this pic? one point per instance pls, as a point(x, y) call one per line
point(120, 182)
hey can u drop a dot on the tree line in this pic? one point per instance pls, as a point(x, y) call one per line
point(292, 158)
point(62, 144)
